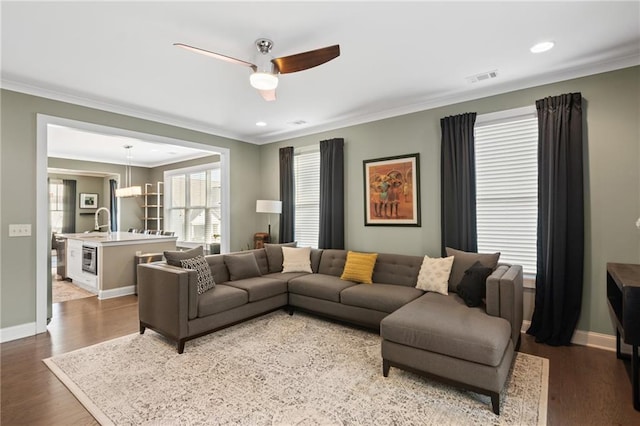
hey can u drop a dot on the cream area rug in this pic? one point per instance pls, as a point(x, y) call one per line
point(64, 291)
point(281, 370)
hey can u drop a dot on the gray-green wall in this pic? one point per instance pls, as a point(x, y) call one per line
point(612, 184)
point(18, 188)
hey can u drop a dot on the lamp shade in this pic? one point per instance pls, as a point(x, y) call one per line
point(268, 206)
point(129, 191)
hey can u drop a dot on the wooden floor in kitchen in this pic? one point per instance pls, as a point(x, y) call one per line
point(586, 387)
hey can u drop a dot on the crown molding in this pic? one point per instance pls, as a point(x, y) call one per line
point(345, 121)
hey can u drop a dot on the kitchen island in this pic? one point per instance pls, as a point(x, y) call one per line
point(105, 264)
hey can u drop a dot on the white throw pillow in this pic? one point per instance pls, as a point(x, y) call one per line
point(296, 259)
point(434, 274)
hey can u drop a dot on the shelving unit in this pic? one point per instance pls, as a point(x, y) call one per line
point(153, 206)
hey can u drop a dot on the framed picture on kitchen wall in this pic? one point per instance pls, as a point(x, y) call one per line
point(392, 191)
point(88, 200)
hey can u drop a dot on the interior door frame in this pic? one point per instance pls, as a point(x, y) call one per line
point(43, 239)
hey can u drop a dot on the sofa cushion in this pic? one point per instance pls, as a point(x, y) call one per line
point(174, 257)
point(473, 287)
point(320, 286)
point(379, 297)
point(445, 325)
point(274, 255)
point(399, 269)
point(434, 274)
point(359, 267)
point(260, 288)
point(219, 299)
point(464, 260)
point(296, 259)
point(332, 262)
point(200, 265)
point(241, 266)
point(285, 276)
point(218, 268)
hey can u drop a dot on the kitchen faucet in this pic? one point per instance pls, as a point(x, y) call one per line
point(108, 225)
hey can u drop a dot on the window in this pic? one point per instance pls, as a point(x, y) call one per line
point(306, 166)
point(193, 203)
point(56, 205)
point(506, 147)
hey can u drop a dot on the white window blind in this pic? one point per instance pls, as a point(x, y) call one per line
point(307, 198)
point(507, 188)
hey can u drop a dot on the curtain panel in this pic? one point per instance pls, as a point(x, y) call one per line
point(331, 194)
point(560, 242)
point(114, 204)
point(68, 206)
point(287, 195)
point(458, 183)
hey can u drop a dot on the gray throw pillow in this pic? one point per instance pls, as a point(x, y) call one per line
point(242, 266)
point(200, 265)
point(463, 260)
point(274, 255)
point(174, 257)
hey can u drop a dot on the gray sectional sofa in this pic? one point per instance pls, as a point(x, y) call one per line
point(429, 333)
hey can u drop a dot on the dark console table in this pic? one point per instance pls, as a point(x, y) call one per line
point(623, 296)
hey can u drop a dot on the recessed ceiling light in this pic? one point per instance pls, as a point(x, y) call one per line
point(261, 124)
point(542, 47)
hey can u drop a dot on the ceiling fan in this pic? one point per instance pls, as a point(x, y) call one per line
point(266, 69)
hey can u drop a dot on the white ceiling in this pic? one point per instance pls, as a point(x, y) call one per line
point(396, 57)
point(80, 144)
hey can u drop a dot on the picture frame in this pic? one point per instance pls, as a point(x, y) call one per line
point(88, 200)
point(392, 191)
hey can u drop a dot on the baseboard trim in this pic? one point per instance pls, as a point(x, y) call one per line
point(116, 292)
point(587, 338)
point(16, 332)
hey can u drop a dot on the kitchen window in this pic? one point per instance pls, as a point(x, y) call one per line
point(193, 203)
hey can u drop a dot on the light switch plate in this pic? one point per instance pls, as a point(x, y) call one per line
point(20, 230)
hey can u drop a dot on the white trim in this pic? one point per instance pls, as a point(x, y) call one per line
point(586, 338)
point(511, 114)
point(42, 195)
point(17, 332)
point(116, 292)
point(346, 121)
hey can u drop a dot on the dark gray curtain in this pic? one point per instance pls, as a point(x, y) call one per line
point(114, 204)
point(331, 194)
point(287, 195)
point(560, 220)
point(68, 206)
point(458, 183)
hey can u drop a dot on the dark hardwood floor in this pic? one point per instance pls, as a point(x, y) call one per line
point(586, 386)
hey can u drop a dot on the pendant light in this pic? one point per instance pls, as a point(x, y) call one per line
point(128, 190)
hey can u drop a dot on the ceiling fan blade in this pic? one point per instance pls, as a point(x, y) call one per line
point(217, 55)
point(306, 60)
point(268, 95)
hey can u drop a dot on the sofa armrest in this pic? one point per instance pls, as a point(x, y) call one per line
point(504, 297)
point(163, 298)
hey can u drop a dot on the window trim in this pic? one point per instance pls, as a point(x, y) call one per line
point(224, 207)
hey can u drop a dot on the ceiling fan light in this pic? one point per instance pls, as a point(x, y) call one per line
point(263, 81)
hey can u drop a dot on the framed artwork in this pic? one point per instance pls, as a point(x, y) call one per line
point(392, 191)
point(88, 200)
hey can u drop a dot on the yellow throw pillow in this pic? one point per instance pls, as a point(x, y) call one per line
point(359, 267)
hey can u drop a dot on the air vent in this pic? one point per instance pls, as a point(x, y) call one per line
point(483, 76)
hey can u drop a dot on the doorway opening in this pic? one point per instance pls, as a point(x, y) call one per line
point(45, 124)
